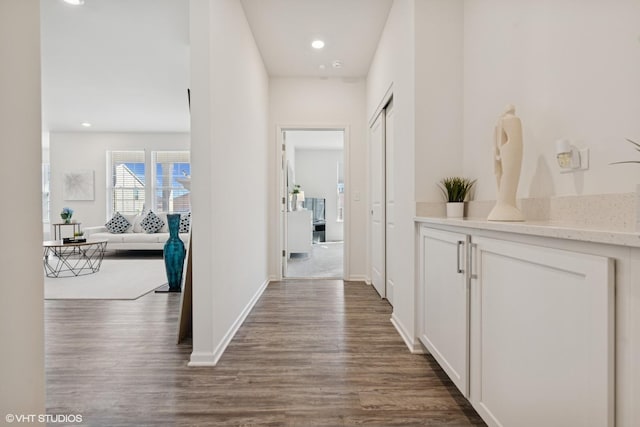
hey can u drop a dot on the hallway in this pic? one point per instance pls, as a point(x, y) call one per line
point(315, 352)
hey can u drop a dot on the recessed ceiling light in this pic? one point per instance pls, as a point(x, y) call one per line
point(336, 64)
point(74, 2)
point(317, 44)
point(86, 124)
point(322, 66)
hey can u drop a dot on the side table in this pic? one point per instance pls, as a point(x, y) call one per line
point(57, 229)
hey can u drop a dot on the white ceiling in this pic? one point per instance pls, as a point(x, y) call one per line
point(123, 65)
point(284, 30)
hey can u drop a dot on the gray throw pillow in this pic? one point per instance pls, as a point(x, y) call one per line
point(118, 224)
point(151, 223)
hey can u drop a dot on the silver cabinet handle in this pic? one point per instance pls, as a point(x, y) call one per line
point(472, 246)
point(460, 243)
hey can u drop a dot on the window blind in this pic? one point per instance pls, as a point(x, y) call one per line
point(172, 181)
point(127, 181)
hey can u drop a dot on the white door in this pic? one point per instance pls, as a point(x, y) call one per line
point(390, 232)
point(284, 196)
point(377, 180)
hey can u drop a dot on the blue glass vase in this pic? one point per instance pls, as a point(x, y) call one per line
point(174, 254)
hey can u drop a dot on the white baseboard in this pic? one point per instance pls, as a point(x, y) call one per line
point(358, 278)
point(201, 359)
point(211, 359)
point(414, 347)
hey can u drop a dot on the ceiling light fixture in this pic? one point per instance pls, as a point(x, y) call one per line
point(317, 44)
point(336, 64)
point(322, 66)
point(86, 124)
point(75, 2)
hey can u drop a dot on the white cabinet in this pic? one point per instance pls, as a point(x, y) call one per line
point(539, 322)
point(443, 322)
point(299, 231)
point(542, 335)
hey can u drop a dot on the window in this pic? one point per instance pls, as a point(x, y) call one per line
point(126, 181)
point(172, 181)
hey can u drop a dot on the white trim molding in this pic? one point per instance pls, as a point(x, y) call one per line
point(346, 148)
point(359, 278)
point(414, 346)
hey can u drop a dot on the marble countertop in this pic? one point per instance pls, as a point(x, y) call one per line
point(556, 229)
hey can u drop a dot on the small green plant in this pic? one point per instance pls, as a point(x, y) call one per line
point(455, 189)
point(629, 161)
point(296, 189)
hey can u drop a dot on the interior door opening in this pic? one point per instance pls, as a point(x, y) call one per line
point(382, 223)
point(314, 208)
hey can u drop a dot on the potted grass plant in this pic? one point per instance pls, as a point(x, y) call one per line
point(637, 148)
point(455, 190)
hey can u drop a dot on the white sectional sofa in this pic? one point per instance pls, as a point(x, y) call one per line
point(135, 238)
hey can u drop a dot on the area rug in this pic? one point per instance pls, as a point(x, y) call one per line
point(125, 279)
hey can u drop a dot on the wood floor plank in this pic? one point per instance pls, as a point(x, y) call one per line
point(311, 353)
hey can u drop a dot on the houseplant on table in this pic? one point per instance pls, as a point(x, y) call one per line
point(294, 197)
point(66, 215)
point(455, 190)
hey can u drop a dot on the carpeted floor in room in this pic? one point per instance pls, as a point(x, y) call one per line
point(324, 261)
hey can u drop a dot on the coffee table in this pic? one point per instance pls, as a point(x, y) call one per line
point(72, 259)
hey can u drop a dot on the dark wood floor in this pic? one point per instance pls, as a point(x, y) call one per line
point(311, 353)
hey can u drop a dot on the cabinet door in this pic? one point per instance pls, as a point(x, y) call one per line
point(443, 296)
point(541, 335)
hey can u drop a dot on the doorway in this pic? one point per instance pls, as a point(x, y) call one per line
point(382, 224)
point(314, 208)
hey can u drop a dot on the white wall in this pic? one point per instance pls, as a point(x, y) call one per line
point(571, 69)
point(87, 151)
point(439, 97)
point(229, 152)
point(394, 63)
point(334, 102)
point(317, 174)
point(22, 389)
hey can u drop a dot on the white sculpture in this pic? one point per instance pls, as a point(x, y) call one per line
point(507, 165)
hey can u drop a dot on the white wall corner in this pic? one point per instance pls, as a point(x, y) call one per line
point(211, 359)
point(413, 344)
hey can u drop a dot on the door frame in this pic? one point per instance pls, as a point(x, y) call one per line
point(281, 214)
point(382, 105)
point(374, 183)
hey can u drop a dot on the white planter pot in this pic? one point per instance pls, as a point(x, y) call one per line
point(455, 210)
